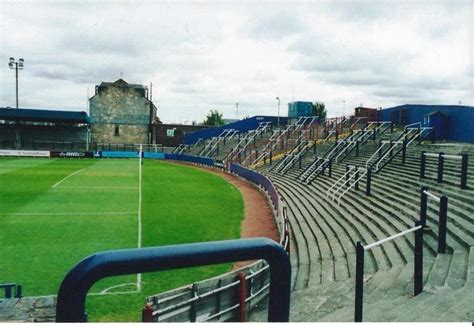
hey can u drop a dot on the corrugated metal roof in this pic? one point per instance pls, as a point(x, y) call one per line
point(44, 115)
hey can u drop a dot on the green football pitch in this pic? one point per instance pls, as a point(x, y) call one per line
point(54, 212)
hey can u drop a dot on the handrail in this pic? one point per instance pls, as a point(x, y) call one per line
point(392, 237)
point(73, 290)
point(346, 181)
point(340, 179)
point(432, 196)
point(412, 124)
point(374, 154)
point(417, 271)
point(349, 187)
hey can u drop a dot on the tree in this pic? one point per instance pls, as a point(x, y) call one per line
point(319, 109)
point(214, 118)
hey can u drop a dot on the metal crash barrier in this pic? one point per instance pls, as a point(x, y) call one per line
point(73, 291)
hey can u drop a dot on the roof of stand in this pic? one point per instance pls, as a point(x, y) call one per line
point(44, 115)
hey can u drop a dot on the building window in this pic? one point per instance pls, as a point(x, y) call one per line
point(117, 130)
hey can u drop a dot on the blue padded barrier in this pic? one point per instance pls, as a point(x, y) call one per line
point(258, 179)
point(190, 159)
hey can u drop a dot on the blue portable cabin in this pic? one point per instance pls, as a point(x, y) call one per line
point(440, 122)
point(300, 109)
point(458, 124)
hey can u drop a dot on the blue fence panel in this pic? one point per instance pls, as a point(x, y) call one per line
point(258, 179)
point(119, 154)
point(128, 154)
point(159, 156)
point(190, 159)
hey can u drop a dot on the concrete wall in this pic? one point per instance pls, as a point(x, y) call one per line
point(123, 106)
point(460, 126)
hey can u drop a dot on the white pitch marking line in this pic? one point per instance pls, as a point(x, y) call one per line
point(105, 291)
point(67, 177)
point(92, 187)
point(69, 213)
point(139, 241)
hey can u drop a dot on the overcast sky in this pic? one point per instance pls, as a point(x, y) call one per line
point(210, 55)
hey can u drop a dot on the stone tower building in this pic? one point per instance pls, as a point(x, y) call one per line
point(121, 113)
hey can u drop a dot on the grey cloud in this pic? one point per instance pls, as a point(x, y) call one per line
point(273, 26)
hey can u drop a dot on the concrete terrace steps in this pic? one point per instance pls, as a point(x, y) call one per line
point(356, 230)
point(459, 215)
point(402, 202)
point(393, 207)
point(439, 301)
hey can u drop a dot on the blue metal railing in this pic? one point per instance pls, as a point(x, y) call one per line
point(73, 291)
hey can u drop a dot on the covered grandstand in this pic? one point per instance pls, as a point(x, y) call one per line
point(43, 129)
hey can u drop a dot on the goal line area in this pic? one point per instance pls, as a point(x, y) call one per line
point(59, 212)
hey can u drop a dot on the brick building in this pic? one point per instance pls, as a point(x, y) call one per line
point(122, 113)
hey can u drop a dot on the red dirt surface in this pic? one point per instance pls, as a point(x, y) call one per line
point(258, 217)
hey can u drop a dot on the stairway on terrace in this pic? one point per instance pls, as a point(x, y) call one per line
point(325, 233)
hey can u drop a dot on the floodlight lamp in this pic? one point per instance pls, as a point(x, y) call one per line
point(10, 64)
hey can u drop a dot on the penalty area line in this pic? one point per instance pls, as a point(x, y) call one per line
point(69, 213)
point(67, 177)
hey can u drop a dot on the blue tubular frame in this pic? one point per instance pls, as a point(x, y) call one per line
point(73, 291)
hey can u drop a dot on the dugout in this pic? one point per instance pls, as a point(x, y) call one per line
point(39, 129)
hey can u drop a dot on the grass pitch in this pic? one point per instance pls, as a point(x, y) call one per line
point(55, 212)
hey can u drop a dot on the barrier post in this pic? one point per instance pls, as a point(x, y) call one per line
point(356, 185)
point(347, 170)
point(391, 127)
point(242, 297)
point(192, 311)
point(423, 205)
point(337, 135)
point(464, 171)
point(330, 168)
point(380, 145)
point(299, 161)
point(422, 165)
point(373, 135)
point(359, 280)
point(357, 148)
point(443, 219)
point(18, 292)
point(147, 313)
point(440, 167)
point(418, 277)
point(369, 181)
point(404, 151)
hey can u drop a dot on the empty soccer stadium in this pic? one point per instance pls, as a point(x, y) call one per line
point(373, 214)
point(237, 161)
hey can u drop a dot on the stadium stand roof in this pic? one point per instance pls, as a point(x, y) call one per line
point(44, 115)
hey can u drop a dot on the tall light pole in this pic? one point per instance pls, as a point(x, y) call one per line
point(17, 65)
point(278, 117)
